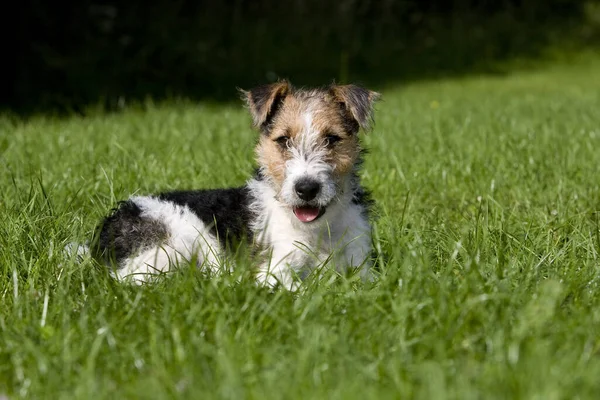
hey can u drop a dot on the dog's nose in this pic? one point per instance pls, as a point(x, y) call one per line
point(307, 189)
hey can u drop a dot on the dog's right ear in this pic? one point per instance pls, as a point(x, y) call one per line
point(264, 102)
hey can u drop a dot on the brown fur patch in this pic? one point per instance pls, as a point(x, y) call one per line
point(345, 155)
point(271, 159)
point(336, 110)
point(263, 101)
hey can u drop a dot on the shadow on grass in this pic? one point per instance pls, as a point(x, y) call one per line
point(109, 55)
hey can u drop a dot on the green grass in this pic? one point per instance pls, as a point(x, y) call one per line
point(487, 229)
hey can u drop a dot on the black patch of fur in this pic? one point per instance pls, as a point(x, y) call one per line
point(225, 210)
point(258, 174)
point(261, 100)
point(350, 124)
point(125, 232)
point(260, 96)
point(361, 196)
point(275, 106)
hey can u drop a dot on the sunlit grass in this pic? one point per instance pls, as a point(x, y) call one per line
point(487, 229)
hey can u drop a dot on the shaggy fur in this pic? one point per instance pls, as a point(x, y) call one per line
point(303, 208)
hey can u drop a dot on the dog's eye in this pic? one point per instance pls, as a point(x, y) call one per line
point(331, 140)
point(283, 141)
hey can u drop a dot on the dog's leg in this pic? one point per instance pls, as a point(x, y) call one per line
point(357, 254)
point(282, 267)
point(146, 236)
point(278, 275)
point(163, 257)
point(355, 244)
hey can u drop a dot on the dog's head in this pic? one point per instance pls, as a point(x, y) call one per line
point(309, 147)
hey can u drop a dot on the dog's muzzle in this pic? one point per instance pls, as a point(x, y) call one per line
point(307, 190)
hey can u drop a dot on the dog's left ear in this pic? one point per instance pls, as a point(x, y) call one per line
point(264, 102)
point(358, 102)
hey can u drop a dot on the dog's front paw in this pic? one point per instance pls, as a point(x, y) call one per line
point(274, 279)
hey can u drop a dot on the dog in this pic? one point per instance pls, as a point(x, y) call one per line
point(303, 208)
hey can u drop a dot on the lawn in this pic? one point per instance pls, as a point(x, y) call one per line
point(487, 230)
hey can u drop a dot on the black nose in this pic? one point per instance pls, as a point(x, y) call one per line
point(307, 189)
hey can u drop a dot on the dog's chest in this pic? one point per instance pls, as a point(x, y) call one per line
point(346, 237)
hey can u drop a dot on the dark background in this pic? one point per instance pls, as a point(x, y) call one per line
point(65, 56)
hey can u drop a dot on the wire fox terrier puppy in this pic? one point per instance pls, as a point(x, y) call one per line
point(303, 208)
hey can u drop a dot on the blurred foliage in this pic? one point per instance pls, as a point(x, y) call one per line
point(110, 52)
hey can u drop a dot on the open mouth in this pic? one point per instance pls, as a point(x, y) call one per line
point(308, 214)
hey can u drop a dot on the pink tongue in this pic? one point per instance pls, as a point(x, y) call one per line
point(306, 214)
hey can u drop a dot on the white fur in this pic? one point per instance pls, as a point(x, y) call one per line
point(341, 237)
point(295, 248)
point(308, 161)
point(188, 237)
